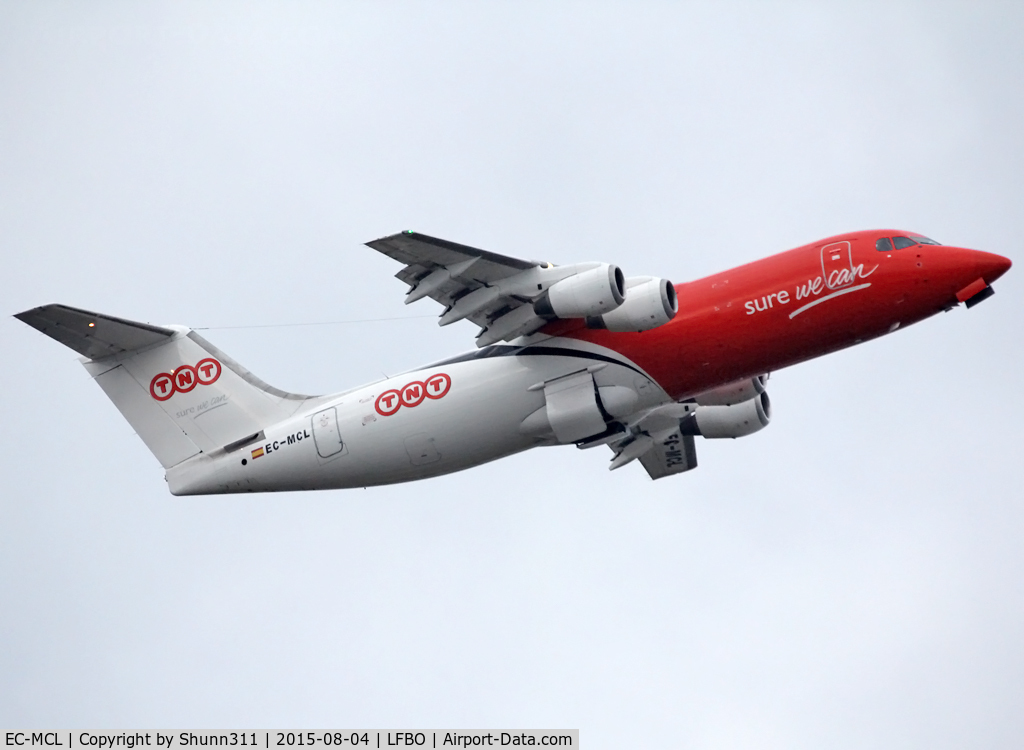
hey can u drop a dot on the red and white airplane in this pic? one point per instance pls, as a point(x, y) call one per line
point(574, 354)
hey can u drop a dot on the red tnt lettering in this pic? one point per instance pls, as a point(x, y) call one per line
point(413, 394)
point(438, 385)
point(207, 370)
point(161, 387)
point(185, 379)
point(388, 403)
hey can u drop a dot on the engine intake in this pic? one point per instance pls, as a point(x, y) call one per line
point(649, 303)
point(589, 293)
point(729, 421)
point(734, 393)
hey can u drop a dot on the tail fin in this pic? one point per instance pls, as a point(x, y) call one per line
point(180, 393)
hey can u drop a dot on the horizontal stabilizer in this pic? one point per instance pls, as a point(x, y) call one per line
point(92, 334)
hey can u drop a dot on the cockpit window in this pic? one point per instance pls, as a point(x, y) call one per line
point(886, 244)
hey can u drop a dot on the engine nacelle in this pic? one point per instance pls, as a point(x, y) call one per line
point(649, 303)
point(729, 421)
point(734, 393)
point(590, 293)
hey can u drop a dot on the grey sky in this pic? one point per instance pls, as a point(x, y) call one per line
point(850, 577)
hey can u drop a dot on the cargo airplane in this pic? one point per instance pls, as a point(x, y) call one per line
point(566, 355)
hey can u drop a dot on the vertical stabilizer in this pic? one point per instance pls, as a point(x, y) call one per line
point(181, 394)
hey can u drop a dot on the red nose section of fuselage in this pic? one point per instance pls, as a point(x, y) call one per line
point(989, 265)
point(973, 273)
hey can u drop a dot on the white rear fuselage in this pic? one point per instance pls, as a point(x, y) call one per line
point(411, 426)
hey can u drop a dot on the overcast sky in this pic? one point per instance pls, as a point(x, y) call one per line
point(852, 576)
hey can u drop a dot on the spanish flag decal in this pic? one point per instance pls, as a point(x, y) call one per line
point(257, 453)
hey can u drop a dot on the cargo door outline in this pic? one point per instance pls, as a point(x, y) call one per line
point(326, 435)
point(421, 449)
point(837, 265)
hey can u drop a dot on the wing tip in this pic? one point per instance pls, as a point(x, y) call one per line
point(25, 314)
point(382, 241)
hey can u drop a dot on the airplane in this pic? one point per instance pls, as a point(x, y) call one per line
point(576, 354)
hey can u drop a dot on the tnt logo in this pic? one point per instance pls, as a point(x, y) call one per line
point(412, 394)
point(184, 379)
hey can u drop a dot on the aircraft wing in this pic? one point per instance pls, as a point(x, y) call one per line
point(510, 297)
point(468, 282)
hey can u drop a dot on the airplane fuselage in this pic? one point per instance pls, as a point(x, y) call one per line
point(484, 405)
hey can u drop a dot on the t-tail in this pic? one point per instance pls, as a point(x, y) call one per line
point(182, 395)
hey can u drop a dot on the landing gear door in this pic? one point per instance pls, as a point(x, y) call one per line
point(326, 434)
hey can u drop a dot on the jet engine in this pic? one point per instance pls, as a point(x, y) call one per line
point(649, 303)
point(736, 421)
point(734, 393)
point(589, 293)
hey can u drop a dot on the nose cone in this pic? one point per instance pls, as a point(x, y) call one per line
point(991, 266)
point(974, 264)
